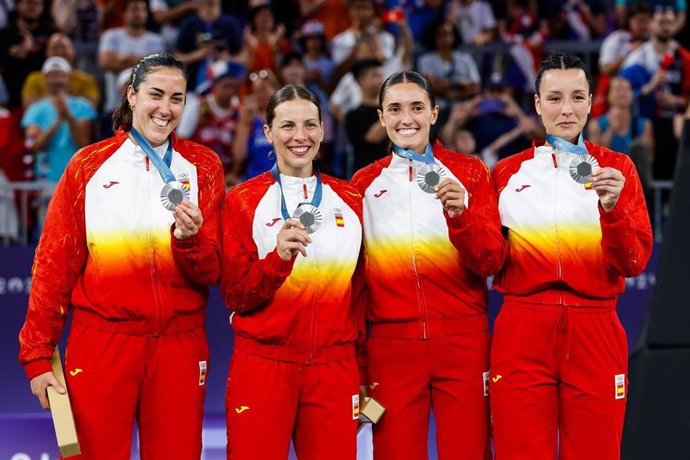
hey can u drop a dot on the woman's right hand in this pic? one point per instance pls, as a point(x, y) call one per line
point(292, 238)
point(39, 387)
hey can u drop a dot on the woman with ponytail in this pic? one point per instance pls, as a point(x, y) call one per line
point(431, 236)
point(130, 244)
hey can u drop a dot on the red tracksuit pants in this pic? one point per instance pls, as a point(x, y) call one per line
point(447, 374)
point(271, 401)
point(558, 382)
point(115, 379)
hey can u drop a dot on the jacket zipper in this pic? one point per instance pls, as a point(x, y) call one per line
point(558, 241)
point(154, 272)
point(418, 283)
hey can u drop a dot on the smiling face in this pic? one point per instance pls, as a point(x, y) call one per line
point(158, 104)
point(407, 115)
point(564, 102)
point(296, 134)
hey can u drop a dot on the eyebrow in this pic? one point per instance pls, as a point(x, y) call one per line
point(399, 103)
point(158, 90)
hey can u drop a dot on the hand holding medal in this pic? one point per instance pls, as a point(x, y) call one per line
point(292, 238)
point(452, 197)
point(608, 183)
point(188, 220)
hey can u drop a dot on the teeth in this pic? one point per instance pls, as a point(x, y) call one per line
point(160, 123)
point(299, 149)
point(407, 132)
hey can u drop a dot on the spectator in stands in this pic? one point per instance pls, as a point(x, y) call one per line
point(332, 14)
point(264, 37)
point(620, 43)
point(623, 8)
point(123, 47)
point(524, 34)
point(80, 83)
point(365, 30)
point(370, 45)
point(475, 20)
point(494, 114)
point(80, 19)
point(59, 124)
point(512, 126)
point(421, 14)
point(619, 128)
point(22, 46)
point(365, 132)
point(207, 37)
point(169, 14)
point(252, 152)
point(615, 49)
point(453, 74)
point(211, 119)
point(294, 72)
point(317, 59)
point(658, 73)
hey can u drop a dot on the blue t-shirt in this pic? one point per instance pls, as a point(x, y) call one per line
point(622, 143)
point(61, 146)
point(258, 151)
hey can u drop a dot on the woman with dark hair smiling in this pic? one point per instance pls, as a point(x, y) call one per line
point(431, 236)
point(130, 244)
point(292, 240)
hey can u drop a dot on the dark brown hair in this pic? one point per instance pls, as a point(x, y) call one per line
point(289, 93)
point(145, 67)
point(407, 76)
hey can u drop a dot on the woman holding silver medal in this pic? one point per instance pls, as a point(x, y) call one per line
point(292, 239)
point(577, 226)
point(131, 241)
point(432, 236)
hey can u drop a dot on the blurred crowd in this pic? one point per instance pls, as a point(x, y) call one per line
point(66, 63)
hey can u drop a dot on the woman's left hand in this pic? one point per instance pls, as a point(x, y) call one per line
point(452, 197)
point(608, 183)
point(188, 220)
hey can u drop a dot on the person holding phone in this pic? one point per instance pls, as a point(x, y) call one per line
point(131, 242)
point(432, 236)
point(576, 226)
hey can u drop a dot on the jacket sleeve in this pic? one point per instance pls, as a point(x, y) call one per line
point(626, 233)
point(247, 282)
point(198, 257)
point(360, 304)
point(58, 264)
point(476, 233)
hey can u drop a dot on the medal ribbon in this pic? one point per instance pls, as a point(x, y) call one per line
point(316, 199)
point(562, 144)
point(426, 157)
point(161, 164)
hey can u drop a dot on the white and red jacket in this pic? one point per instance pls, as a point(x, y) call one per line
point(107, 248)
point(297, 310)
point(426, 272)
point(563, 248)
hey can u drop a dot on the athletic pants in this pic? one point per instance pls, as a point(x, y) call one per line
point(114, 378)
point(558, 382)
point(269, 402)
point(448, 374)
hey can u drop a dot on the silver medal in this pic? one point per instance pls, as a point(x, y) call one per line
point(172, 194)
point(309, 216)
point(581, 168)
point(429, 175)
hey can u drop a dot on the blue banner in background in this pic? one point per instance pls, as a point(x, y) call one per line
point(26, 432)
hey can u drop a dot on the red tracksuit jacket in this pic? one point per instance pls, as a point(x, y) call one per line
point(298, 310)
point(563, 247)
point(425, 272)
point(107, 247)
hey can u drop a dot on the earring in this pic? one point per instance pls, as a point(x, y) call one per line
point(131, 107)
